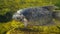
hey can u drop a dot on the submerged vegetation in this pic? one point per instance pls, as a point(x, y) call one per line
point(14, 5)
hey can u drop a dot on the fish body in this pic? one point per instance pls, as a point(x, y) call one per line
point(36, 16)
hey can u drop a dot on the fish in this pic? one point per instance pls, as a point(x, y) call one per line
point(36, 16)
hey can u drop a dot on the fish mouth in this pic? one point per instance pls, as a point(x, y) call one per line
point(17, 20)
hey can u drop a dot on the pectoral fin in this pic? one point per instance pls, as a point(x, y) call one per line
point(25, 22)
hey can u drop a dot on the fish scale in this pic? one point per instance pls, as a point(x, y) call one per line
point(37, 16)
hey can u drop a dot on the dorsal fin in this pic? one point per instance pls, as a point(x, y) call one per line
point(50, 7)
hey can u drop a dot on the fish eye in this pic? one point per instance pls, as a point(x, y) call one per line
point(20, 14)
